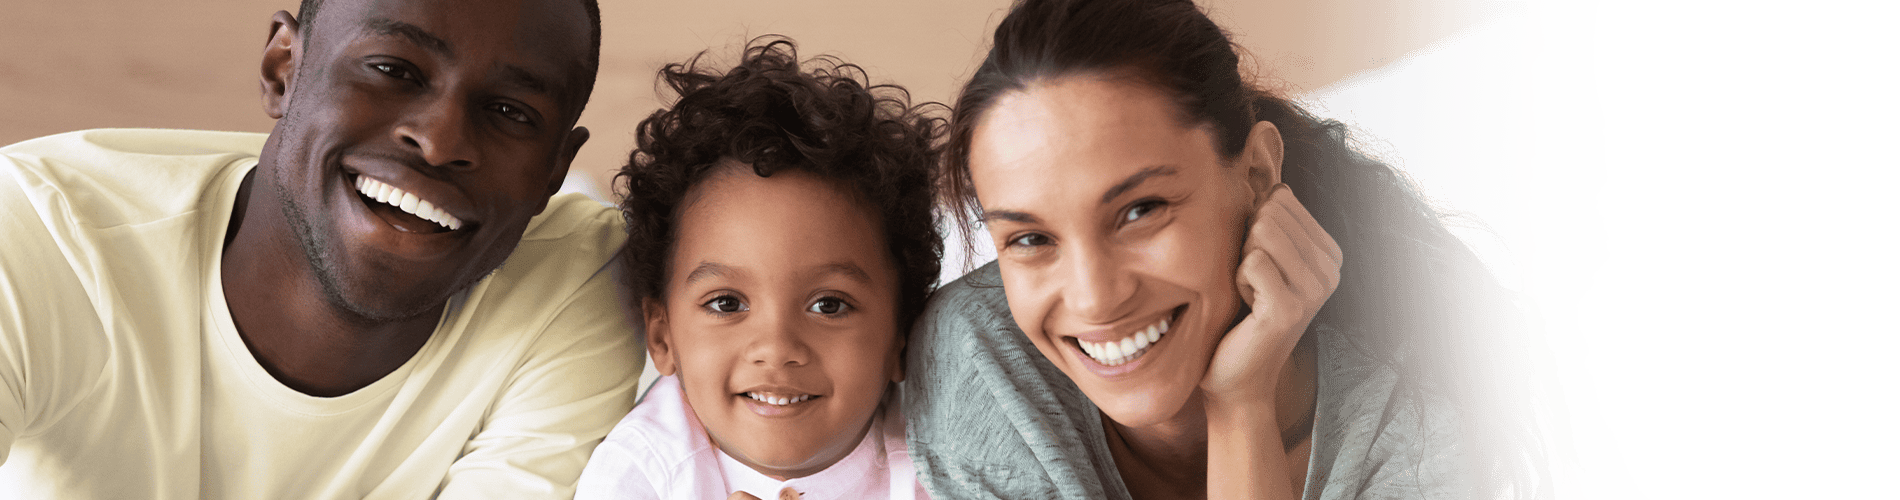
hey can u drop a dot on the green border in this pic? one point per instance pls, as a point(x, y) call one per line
point(1741, 331)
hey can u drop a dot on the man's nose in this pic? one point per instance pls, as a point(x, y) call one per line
point(440, 132)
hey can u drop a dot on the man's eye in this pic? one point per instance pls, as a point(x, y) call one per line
point(725, 304)
point(511, 112)
point(394, 71)
point(828, 306)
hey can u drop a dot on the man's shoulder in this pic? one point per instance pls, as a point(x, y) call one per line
point(560, 285)
point(111, 177)
point(573, 226)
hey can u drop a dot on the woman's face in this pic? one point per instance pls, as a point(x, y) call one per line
point(780, 318)
point(1118, 230)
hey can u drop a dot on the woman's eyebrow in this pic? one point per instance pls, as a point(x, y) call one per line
point(1007, 215)
point(1136, 180)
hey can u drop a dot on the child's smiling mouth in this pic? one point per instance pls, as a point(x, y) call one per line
point(777, 401)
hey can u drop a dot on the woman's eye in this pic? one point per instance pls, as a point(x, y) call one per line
point(511, 112)
point(1030, 240)
point(725, 304)
point(1142, 209)
point(828, 306)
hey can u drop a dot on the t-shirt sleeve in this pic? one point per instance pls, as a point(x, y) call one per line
point(577, 380)
point(50, 348)
point(988, 416)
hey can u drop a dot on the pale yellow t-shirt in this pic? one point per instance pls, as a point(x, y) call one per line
point(122, 376)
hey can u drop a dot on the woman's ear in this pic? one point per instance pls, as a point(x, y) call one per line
point(283, 51)
point(659, 337)
point(1262, 156)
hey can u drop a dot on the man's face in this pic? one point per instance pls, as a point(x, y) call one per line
point(416, 139)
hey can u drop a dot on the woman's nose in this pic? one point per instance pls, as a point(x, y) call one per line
point(1098, 288)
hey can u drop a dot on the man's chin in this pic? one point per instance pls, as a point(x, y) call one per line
point(381, 303)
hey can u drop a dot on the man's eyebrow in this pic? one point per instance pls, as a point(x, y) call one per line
point(415, 34)
point(707, 270)
point(1135, 180)
point(1007, 215)
point(846, 269)
point(521, 77)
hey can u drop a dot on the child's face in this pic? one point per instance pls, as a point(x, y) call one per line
point(780, 289)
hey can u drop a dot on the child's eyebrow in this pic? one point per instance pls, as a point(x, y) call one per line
point(845, 269)
point(707, 270)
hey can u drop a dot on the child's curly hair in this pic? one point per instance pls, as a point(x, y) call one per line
point(768, 113)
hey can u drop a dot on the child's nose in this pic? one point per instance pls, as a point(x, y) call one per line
point(779, 344)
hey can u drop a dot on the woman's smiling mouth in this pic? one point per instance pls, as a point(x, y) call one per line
point(1132, 346)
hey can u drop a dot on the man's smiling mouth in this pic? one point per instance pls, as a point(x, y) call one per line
point(409, 204)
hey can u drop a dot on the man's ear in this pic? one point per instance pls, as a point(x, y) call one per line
point(659, 337)
point(1263, 156)
point(570, 147)
point(283, 51)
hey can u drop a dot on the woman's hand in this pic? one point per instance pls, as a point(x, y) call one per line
point(1289, 266)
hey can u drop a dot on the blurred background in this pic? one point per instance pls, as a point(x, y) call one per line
point(1488, 105)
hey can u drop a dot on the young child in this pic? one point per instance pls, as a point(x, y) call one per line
point(782, 241)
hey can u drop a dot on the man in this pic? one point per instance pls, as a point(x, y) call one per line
point(365, 304)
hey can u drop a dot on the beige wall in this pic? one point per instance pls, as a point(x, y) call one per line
point(77, 64)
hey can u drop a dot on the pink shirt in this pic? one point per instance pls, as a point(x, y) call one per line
point(660, 451)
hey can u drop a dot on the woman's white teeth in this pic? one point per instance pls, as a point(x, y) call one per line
point(777, 400)
point(408, 202)
point(1113, 353)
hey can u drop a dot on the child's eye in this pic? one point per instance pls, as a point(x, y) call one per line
point(725, 304)
point(828, 306)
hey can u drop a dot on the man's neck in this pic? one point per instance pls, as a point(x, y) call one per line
point(280, 310)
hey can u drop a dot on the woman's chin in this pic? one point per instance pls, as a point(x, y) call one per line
point(1136, 408)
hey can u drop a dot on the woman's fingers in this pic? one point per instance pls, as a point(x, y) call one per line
point(1308, 225)
point(1306, 257)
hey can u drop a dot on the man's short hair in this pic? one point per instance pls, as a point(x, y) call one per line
point(307, 15)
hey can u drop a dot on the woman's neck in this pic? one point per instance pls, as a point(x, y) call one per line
point(1164, 460)
point(1168, 460)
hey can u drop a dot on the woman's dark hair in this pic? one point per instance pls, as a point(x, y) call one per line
point(1409, 292)
point(774, 113)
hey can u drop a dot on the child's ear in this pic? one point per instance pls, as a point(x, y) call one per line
point(659, 337)
point(896, 362)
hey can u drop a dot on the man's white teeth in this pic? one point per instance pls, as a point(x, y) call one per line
point(408, 202)
point(1113, 353)
point(777, 400)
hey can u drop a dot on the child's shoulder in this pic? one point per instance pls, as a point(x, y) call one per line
point(659, 446)
point(661, 424)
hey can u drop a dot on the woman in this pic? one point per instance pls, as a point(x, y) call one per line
point(1173, 321)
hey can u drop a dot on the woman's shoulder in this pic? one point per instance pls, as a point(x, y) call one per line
point(987, 415)
point(1377, 434)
